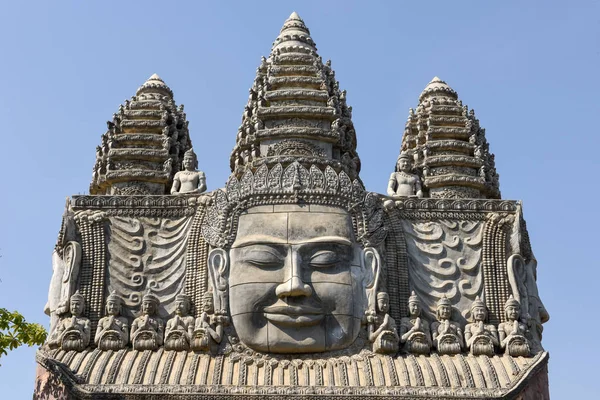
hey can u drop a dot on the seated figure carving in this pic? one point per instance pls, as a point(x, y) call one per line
point(147, 330)
point(190, 180)
point(513, 333)
point(295, 279)
point(382, 327)
point(208, 330)
point(178, 332)
point(72, 333)
point(447, 335)
point(113, 330)
point(481, 338)
point(404, 183)
point(414, 330)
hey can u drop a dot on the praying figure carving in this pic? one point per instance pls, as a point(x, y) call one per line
point(513, 333)
point(414, 330)
point(403, 182)
point(65, 266)
point(481, 338)
point(147, 330)
point(190, 180)
point(178, 333)
point(113, 330)
point(208, 330)
point(72, 333)
point(446, 334)
point(382, 327)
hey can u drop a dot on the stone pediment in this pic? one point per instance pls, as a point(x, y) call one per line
point(128, 374)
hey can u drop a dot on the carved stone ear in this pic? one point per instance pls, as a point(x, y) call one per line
point(218, 266)
point(372, 268)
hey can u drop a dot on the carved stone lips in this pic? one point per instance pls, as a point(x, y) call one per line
point(293, 315)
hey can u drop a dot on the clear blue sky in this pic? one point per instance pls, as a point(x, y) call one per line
point(528, 68)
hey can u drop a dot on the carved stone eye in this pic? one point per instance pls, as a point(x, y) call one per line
point(263, 259)
point(324, 259)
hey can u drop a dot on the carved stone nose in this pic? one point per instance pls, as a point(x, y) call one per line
point(293, 287)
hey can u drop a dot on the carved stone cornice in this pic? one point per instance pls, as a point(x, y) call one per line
point(511, 375)
point(442, 160)
point(291, 93)
point(300, 132)
point(147, 154)
point(463, 205)
point(302, 111)
point(461, 180)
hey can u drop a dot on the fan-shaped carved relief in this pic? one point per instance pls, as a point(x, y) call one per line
point(147, 253)
point(444, 258)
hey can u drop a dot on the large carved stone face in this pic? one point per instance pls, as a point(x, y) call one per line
point(297, 279)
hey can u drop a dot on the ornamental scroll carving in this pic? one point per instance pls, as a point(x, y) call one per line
point(147, 253)
point(444, 258)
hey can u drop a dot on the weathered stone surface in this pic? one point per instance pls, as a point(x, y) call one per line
point(293, 280)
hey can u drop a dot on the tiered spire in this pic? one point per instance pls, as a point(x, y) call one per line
point(296, 111)
point(145, 141)
point(449, 147)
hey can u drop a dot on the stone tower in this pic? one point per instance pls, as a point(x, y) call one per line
point(293, 280)
point(449, 147)
point(144, 144)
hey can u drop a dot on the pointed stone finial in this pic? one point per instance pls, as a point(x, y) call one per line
point(155, 84)
point(155, 77)
point(294, 33)
point(438, 87)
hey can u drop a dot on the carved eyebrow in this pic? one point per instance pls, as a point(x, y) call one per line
point(325, 239)
point(258, 239)
point(267, 240)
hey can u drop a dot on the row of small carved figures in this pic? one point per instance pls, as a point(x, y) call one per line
point(147, 332)
point(446, 336)
point(184, 332)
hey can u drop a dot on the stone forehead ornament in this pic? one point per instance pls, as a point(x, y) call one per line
point(77, 296)
point(444, 301)
point(512, 302)
point(383, 295)
point(183, 297)
point(293, 184)
point(113, 297)
point(148, 296)
point(414, 299)
point(477, 303)
point(190, 153)
point(404, 156)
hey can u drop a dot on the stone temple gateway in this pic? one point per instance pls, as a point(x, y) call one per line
point(293, 280)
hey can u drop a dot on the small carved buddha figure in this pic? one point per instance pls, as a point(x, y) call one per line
point(72, 333)
point(178, 333)
point(208, 330)
point(113, 330)
point(147, 330)
point(513, 333)
point(447, 335)
point(190, 180)
point(481, 339)
point(403, 183)
point(414, 330)
point(385, 338)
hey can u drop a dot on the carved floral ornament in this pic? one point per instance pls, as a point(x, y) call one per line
point(293, 185)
